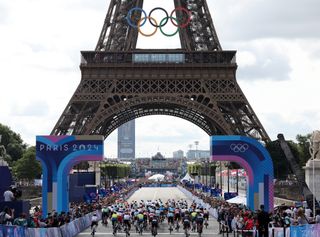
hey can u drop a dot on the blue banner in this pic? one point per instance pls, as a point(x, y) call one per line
point(305, 231)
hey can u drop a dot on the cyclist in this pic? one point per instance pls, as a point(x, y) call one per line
point(105, 215)
point(206, 217)
point(127, 220)
point(114, 218)
point(199, 221)
point(154, 226)
point(206, 214)
point(177, 215)
point(170, 220)
point(94, 223)
point(140, 222)
point(186, 223)
point(193, 219)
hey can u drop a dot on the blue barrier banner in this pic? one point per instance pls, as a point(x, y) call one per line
point(12, 231)
point(305, 231)
point(68, 230)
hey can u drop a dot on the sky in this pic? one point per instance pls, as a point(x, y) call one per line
point(278, 56)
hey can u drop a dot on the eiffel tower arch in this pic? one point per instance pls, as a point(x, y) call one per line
point(196, 82)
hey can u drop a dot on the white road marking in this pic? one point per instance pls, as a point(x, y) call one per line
point(154, 195)
point(137, 234)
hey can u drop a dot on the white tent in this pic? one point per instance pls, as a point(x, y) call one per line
point(187, 177)
point(238, 200)
point(157, 177)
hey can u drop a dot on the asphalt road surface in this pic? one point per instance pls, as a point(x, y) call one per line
point(153, 194)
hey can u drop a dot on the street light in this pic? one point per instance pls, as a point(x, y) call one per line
point(196, 143)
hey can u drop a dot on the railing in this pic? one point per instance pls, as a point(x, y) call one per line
point(224, 230)
point(310, 230)
point(68, 230)
point(154, 57)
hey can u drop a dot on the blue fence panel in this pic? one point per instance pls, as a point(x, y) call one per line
point(13, 231)
point(305, 231)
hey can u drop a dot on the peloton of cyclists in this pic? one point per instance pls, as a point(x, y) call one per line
point(146, 215)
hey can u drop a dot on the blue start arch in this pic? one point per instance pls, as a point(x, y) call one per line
point(255, 159)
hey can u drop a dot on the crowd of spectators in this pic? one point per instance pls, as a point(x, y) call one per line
point(54, 219)
point(237, 217)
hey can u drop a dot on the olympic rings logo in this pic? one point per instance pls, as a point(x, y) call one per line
point(239, 147)
point(179, 23)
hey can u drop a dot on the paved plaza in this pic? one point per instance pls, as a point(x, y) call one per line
point(153, 194)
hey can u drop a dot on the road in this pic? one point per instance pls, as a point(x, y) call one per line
point(152, 194)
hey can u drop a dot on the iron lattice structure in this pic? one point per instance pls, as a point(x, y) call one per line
point(197, 82)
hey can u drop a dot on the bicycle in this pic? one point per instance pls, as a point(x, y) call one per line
point(115, 227)
point(93, 230)
point(154, 231)
point(186, 232)
point(126, 230)
point(177, 226)
point(170, 228)
point(194, 226)
point(199, 229)
point(141, 225)
point(105, 221)
point(206, 223)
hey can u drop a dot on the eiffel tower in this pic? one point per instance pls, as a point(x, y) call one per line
point(196, 82)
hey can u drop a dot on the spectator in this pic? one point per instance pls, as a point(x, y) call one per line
point(21, 220)
point(263, 221)
point(249, 224)
point(6, 216)
point(317, 220)
point(302, 219)
point(8, 195)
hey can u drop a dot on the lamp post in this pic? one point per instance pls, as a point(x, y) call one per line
point(196, 143)
point(228, 166)
point(221, 175)
point(313, 189)
point(237, 181)
point(206, 172)
point(190, 148)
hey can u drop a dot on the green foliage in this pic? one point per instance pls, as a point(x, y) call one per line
point(194, 169)
point(280, 163)
point(202, 169)
point(84, 165)
point(303, 148)
point(299, 150)
point(13, 144)
point(27, 168)
point(113, 171)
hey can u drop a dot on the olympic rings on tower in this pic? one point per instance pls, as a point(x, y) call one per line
point(150, 19)
point(167, 17)
point(129, 20)
point(182, 21)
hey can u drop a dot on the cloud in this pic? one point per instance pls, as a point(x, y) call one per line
point(3, 13)
point(275, 124)
point(265, 61)
point(30, 108)
point(256, 19)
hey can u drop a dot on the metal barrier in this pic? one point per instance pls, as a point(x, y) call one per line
point(309, 230)
point(224, 229)
point(68, 230)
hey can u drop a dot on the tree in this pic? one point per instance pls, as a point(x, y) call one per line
point(303, 145)
point(194, 169)
point(84, 165)
point(299, 150)
point(27, 168)
point(13, 144)
point(280, 163)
